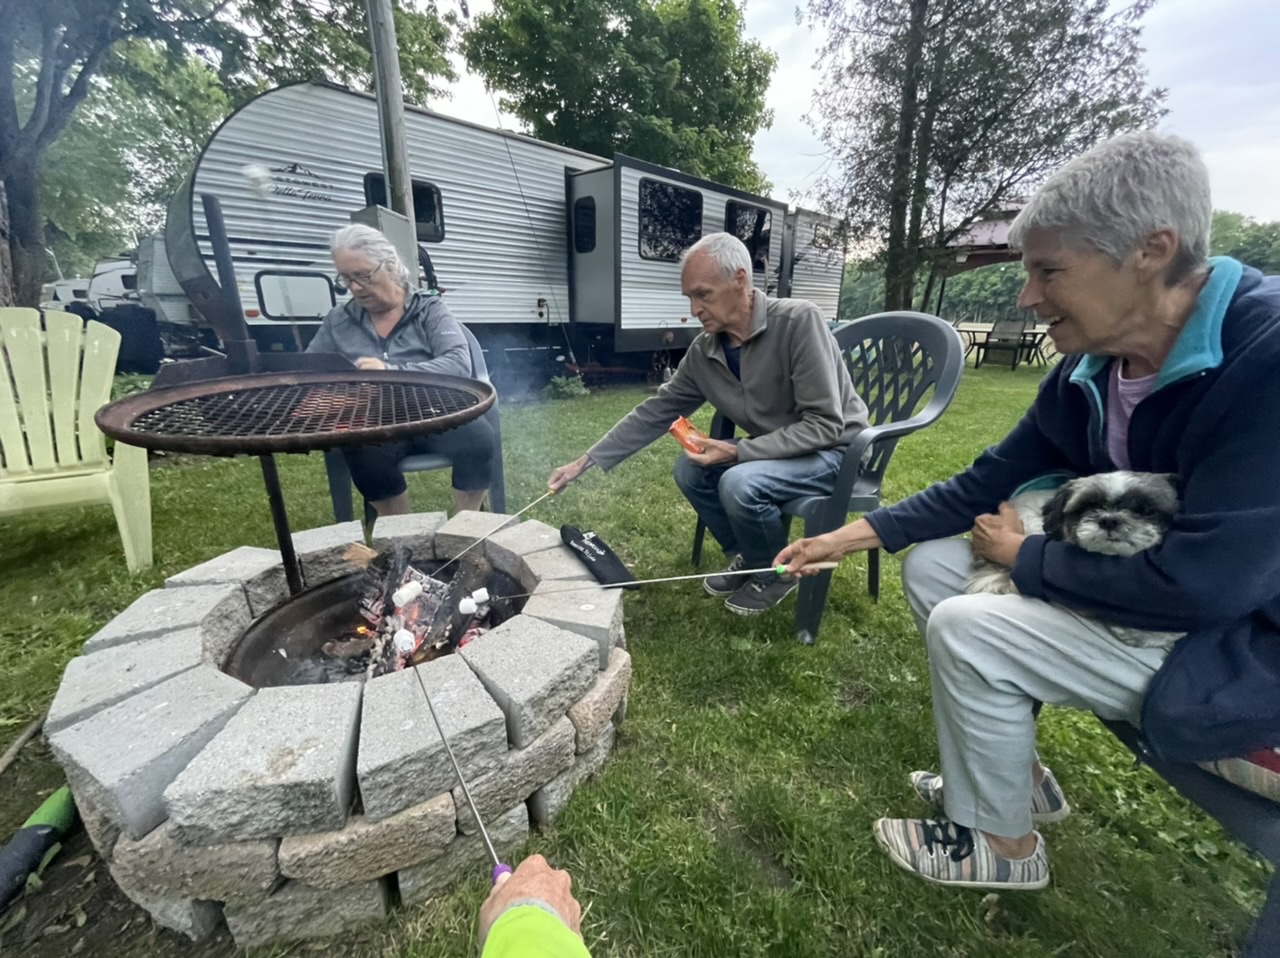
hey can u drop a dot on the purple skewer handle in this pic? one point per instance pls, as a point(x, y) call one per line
point(498, 871)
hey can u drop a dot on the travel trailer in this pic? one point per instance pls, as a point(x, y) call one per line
point(540, 250)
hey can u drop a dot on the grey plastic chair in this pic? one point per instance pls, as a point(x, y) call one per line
point(894, 360)
point(340, 476)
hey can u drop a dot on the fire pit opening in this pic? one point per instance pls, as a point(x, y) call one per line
point(390, 611)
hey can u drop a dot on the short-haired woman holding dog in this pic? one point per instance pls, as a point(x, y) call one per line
point(1172, 366)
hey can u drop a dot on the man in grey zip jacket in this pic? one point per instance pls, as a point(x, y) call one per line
point(773, 368)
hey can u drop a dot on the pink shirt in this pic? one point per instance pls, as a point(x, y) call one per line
point(1123, 395)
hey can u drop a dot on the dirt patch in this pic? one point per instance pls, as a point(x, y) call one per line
point(853, 694)
point(731, 833)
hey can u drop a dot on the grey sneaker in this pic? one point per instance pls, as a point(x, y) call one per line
point(1048, 803)
point(730, 580)
point(945, 853)
point(761, 593)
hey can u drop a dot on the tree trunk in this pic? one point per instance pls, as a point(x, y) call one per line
point(924, 159)
point(7, 297)
point(26, 237)
point(898, 264)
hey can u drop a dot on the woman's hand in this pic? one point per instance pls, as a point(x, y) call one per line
point(998, 536)
point(533, 879)
point(370, 362)
point(857, 536)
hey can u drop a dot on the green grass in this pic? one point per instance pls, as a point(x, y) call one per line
point(733, 818)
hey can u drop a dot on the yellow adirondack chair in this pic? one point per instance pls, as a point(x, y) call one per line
point(52, 454)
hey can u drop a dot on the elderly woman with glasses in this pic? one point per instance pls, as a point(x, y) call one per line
point(391, 324)
point(1171, 366)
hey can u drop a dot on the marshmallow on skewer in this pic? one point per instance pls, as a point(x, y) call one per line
point(480, 596)
point(404, 641)
point(467, 606)
point(406, 593)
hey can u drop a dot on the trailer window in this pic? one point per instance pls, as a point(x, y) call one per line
point(129, 280)
point(584, 224)
point(753, 225)
point(428, 210)
point(670, 219)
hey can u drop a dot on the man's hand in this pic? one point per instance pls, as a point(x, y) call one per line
point(714, 452)
point(564, 475)
point(999, 536)
point(533, 878)
point(370, 362)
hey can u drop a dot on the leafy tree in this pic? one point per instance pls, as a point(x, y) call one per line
point(669, 81)
point(55, 53)
point(937, 111)
point(1253, 243)
point(122, 156)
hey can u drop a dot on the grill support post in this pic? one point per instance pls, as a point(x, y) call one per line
point(280, 519)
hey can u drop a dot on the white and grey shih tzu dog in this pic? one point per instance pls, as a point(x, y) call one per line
point(1112, 513)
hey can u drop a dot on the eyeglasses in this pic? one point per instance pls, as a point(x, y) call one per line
point(358, 279)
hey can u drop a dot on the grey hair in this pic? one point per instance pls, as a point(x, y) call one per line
point(1118, 193)
point(726, 251)
point(373, 245)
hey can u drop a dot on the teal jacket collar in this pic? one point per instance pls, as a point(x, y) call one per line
point(1199, 345)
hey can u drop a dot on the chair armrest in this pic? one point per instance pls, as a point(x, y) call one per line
point(851, 467)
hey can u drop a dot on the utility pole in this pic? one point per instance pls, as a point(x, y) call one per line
point(390, 92)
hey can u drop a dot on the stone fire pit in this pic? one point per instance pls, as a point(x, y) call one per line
point(210, 799)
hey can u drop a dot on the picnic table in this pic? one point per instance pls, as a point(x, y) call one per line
point(1036, 345)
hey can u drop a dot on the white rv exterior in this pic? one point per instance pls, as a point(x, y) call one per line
point(494, 210)
point(815, 249)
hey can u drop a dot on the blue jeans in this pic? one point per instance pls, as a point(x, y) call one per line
point(740, 501)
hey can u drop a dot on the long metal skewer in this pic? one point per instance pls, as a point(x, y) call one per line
point(501, 526)
point(780, 569)
point(500, 868)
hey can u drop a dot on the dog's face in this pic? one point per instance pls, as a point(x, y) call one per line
point(1115, 513)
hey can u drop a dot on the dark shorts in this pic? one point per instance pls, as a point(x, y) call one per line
point(375, 470)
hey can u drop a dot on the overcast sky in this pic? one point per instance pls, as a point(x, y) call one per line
point(1217, 60)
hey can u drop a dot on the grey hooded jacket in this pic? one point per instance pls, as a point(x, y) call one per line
point(427, 338)
point(795, 396)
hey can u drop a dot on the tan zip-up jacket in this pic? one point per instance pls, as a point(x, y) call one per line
point(795, 396)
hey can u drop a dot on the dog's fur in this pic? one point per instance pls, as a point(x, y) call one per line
point(1113, 513)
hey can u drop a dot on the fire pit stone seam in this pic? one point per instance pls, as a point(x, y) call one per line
point(557, 563)
point(134, 749)
point(465, 527)
point(365, 850)
point(417, 530)
point(506, 549)
point(401, 757)
point(547, 802)
point(258, 571)
point(534, 671)
point(592, 713)
point(162, 611)
point(298, 911)
point(169, 868)
point(466, 855)
point(284, 765)
point(523, 772)
point(101, 679)
point(595, 613)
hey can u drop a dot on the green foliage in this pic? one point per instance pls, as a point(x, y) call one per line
point(108, 177)
point(669, 81)
point(565, 387)
point(937, 111)
point(1254, 244)
point(126, 91)
point(734, 815)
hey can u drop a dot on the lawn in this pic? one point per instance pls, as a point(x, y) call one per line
point(733, 818)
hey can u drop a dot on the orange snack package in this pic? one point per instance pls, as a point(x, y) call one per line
point(688, 435)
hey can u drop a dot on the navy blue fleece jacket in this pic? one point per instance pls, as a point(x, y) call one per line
point(1214, 419)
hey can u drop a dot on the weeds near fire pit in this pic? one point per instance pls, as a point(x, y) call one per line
point(565, 387)
point(733, 818)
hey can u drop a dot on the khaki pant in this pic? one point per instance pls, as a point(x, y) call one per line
point(991, 658)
